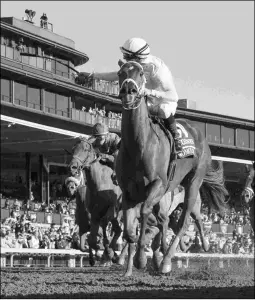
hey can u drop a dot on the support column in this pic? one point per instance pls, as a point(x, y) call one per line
point(48, 186)
point(41, 175)
point(28, 173)
point(42, 100)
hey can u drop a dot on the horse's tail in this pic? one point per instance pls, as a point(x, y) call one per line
point(213, 190)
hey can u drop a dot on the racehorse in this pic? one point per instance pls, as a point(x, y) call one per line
point(144, 169)
point(247, 196)
point(101, 197)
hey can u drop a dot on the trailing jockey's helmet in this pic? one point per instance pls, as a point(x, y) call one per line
point(99, 129)
point(135, 48)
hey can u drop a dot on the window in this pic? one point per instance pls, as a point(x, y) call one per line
point(201, 126)
point(39, 62)
point(213, 133)
point(32, 61)
point(251, 139)
point(5, 90)
point(25, 59)
point(33, 97)
point(62, 105)
point(227, 136)
point(20, 94)
point(9, 52)
point(242, 138)
point(50, 102)
point(3, 50)
point(61, 69)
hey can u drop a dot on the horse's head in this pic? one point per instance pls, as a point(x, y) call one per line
point(248, 191)
point(83, 155)
point(132, 82)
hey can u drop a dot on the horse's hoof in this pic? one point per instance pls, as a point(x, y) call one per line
point(165, 267)
point(140, 261)
point(127, 274)
point(157, 260)
point(115, 258)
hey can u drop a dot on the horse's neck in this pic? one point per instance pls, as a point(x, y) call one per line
point(135, 128)
point(94, 175)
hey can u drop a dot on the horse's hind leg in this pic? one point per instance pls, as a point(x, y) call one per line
point(189, 202)
point(197, 217)
point(117, 232)
point(124, 252)
point(108, 252)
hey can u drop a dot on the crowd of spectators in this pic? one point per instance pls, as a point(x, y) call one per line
point(236, 242)
point(22, 231)
point(111, 119)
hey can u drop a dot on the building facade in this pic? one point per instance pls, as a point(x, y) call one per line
point(44, 107)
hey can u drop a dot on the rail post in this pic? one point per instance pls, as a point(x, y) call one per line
point(81, 261)
point(11, 260)
point(71, 261)
point(48, 261)
point(3, 260)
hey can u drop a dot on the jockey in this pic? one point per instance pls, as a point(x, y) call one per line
point(159, 83)
point(107, 143)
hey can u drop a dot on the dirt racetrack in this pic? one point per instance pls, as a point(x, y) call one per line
point(236, 281)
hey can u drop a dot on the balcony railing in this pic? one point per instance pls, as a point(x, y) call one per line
point(106, 87)
point(86, 117)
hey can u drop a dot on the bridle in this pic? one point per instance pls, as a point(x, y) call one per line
point(248, 189)
point(83, 163)
point(138, 99)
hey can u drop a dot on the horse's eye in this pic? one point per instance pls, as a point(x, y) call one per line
point(141, 74)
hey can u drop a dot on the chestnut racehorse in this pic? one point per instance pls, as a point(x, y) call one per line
point(143, 166)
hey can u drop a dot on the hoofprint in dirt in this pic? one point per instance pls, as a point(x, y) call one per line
point(236, 281)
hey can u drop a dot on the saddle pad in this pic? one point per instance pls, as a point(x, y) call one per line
point(187, 141)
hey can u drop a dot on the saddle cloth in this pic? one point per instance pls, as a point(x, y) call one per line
point(187, 141)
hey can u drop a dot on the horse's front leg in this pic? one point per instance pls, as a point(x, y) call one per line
point(130, 225)
point(154, 193)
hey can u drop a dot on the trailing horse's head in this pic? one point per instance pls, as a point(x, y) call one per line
point(248, 192)
point(83, 155)
point(132, 82)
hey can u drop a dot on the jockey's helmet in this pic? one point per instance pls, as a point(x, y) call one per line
point(135, 48)
point(99, 129)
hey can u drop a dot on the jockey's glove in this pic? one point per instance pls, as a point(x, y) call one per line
point(152, 93)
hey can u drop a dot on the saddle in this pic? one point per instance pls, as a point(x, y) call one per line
point(186, 140)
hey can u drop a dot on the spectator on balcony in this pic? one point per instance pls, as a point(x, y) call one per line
point(107, 143)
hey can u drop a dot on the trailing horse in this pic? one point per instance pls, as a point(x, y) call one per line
point(101, 197)
point(146, 169)
point(247, 196)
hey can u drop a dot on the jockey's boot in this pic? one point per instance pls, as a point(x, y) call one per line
point(170, 124)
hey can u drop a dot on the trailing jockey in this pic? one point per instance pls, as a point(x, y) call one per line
point(159, 85)
point(108, 144)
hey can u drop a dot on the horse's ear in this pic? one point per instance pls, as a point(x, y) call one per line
point(120, 63)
